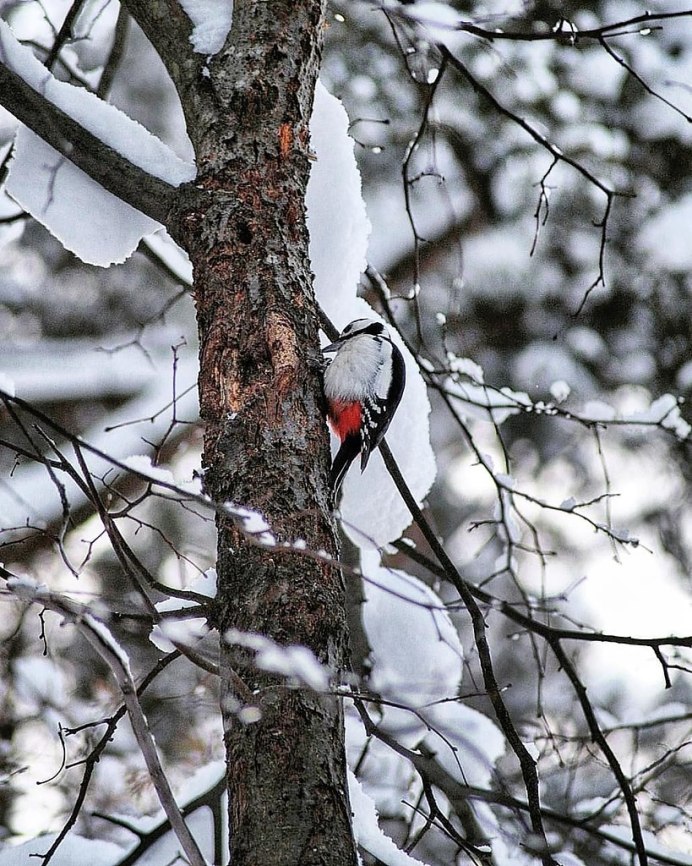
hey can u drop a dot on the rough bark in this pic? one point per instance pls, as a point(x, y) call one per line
point(266, 444)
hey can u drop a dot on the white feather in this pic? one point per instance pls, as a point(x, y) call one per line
point(384, 375)
point(356, 370)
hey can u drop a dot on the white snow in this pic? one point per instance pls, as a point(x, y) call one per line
point(338, 225)
point(295, 662)
point(106, 639)
point(425, 667)
point(7, 385)
point(253, 521)
point(665, 410)
point(211, 21)
point(28, 493)
point(169, 632)
point(56, 193)
point(202, 780)
point(417, 661)
point(82, 368)
point(372, 510)
point(253, 524)
point(89, 221)
point(598, 410)
point(205, 584)
point(468, 368)
point(74, 851)
point(142, 465)
point(665, 238)
point(560, 390)
point(465, 742)
point(26, 587)
point(484, 403)
point(367, 832)
point(173, 256)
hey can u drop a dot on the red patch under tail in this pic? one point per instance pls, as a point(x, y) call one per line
point(344, 418)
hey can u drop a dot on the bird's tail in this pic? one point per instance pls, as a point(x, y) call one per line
point(348, 452)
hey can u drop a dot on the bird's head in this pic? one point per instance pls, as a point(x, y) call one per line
point(354, 329)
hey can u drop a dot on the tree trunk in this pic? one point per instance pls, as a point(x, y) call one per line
point(266, 444)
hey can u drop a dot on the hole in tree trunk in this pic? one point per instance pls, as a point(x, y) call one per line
point(244, 233)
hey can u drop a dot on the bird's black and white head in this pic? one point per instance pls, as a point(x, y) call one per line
point(357, 328)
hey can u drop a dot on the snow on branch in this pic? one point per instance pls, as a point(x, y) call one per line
point(367, 829)
point(81, 157)
point(339, 231)
point(211, 22)
point(296, 663)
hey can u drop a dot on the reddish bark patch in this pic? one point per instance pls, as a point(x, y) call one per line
point(285, 139)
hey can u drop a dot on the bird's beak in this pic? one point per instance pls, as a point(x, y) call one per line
point(332, 347)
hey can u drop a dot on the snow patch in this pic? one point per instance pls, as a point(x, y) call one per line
point(373, 513)
point(173, 256)
point(468, 367)
point(486, 404)
point(338, 224)
point(6, 385)
point(89, 221)
point(166, 634)
point(26, 587)
point(92, 223)
point(295, 662)
point(106, 638)
point(425, 667)
point(142, 465)
point(560, 390)
point(367, 832)
point(73, 851)
point(597, 410)
point(211, 20)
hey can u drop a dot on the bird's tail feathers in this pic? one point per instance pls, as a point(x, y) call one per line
point(344, 457)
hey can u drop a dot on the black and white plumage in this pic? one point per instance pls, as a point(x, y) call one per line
point(363, 386)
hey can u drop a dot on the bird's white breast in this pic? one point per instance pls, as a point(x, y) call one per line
point(361, 367)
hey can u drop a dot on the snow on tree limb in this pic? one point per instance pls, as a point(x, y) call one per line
point(83, 158)
point(367, 830)
point(373, 513)
point(211, 20)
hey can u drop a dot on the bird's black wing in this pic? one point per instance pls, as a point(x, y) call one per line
point(377, 416)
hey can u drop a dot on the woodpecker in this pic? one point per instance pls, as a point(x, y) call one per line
point(363, 385)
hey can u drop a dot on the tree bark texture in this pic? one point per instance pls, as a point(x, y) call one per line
point(266, 444)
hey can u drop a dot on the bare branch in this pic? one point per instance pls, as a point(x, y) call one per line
point(636, 23)
point(102, 641)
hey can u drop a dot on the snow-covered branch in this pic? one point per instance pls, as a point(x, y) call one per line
point(102, 163)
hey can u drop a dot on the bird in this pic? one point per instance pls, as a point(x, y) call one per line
point(363, 386)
